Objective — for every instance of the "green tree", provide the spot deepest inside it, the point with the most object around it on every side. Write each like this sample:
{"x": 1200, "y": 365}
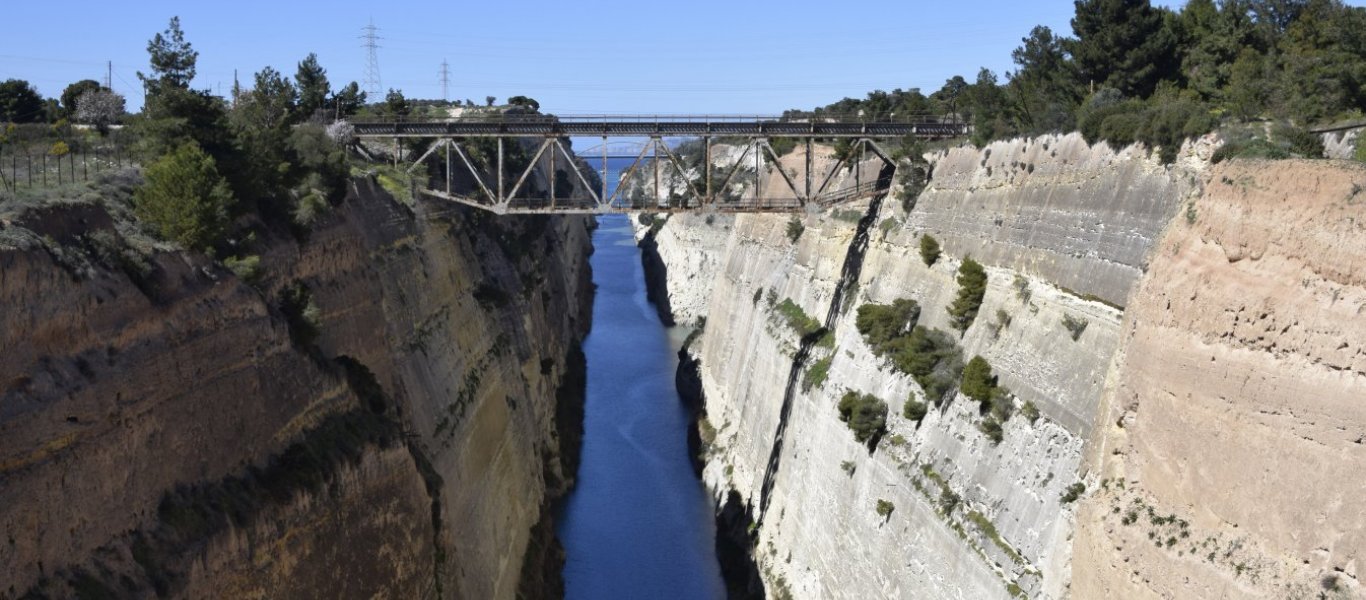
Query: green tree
{"x": 882, "y": 324}
{"x": 978, "y": 382}
{"x": 1124, "y": 44}
{"x": 865, "y": 414}
{"x": 395, "y": 105}
{"x": 525, "y": 102}
{"x": 1044, "y": 88}
{"x": 19, "y": 102}
{"x": 954, "y": 89}
{"x": 972, "y": 288}
{"x": 184, "y": 198}
{"x": 313, "y": 86}
{"x": 1213, "y": 36}
{"x": 73, "y": 92}
{"x": 261, "y": 121}
{"x": 990, "y": 113}
{"x": 913, "y": 409}
{"x": 174, "y": 115}
{"x": 173, "y": 60}
{"x": 348, "y": 100}
{"x": 929, "y": 250}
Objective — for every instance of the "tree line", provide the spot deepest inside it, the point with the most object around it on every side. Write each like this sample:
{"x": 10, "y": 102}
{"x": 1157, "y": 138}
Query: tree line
{"x": 1137, "y": 72}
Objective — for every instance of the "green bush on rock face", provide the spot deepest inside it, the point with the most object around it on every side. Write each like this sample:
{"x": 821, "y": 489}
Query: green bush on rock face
{"x": 880, "y": 324}
{"x": 865, "y": 414}
{"x": 929, "y": 249}
{"x": 928, "y": 355}
{"x": 972, "y": 288}
{"x": 914, "y": 410}
{"x": 978, "y": 382}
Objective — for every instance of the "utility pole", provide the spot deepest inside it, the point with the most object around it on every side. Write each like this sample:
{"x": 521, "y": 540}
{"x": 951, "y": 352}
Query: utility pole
{"x": 109, "y": 75}
{"x": 445, "y": 81}
{"x": 371, "y": 45}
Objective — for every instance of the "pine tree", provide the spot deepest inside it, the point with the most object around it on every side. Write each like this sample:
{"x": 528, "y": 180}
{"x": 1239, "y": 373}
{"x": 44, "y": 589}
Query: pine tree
{"x": 1123, "y": 44}
{"x": 314, "y": 88}
{"x": 972, "y": 288}
{"x": 185, "y": 199}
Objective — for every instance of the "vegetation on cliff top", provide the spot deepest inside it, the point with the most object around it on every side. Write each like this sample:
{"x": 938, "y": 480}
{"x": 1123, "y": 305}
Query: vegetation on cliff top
{"x": 1135, "y": 71}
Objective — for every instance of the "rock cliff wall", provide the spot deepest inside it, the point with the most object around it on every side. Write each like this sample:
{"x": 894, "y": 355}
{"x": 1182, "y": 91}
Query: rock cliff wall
{"x": 166, "y": 428}
{"x": 1237, "y": 407}
{"x": 1065, "y": 232}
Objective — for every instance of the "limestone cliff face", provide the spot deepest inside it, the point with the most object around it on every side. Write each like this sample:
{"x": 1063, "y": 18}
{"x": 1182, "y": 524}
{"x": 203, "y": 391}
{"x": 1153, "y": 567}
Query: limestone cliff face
{"x": 166, "y": 428}
{"x": 1064, "y": 231}
{"x": 1237, "y": 414}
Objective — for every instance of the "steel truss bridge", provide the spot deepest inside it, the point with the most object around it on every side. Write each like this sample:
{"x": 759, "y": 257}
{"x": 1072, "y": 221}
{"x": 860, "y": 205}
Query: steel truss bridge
{"x": 497, "y": 192}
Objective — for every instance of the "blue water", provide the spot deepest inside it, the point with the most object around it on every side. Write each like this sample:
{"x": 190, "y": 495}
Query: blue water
{"x": 638, "y": 524}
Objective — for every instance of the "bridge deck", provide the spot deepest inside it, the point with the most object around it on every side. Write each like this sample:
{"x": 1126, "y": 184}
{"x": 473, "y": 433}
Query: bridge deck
{"x": 645, "y": 126}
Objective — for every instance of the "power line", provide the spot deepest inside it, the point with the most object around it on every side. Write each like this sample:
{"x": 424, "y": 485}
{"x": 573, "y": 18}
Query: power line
{"x": 371, "y": 45}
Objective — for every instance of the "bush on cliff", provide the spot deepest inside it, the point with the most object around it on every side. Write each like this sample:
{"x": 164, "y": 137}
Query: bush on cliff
{"x": 928, "y": 355}
{"x": 797, "y": 319}
{"x": 185, "y": 199}
{"x": 972, "y": 287}
{"x": 978, "y": 382}
{"x": 914, "y": 410}
{"x": 929, "y": 250}
{"x": 795, "y": 228}
{"x": 880, "y": 324}
{"x": 865, "y": 414}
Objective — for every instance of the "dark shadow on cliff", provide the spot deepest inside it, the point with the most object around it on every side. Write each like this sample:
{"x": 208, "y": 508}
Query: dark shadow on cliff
{"x": 849, "y": 275}
{"x": 656, "y": 274}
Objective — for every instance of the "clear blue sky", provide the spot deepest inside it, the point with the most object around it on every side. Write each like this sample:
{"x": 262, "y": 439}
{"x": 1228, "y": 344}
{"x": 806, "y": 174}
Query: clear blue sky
{"x": 574, "y": 56}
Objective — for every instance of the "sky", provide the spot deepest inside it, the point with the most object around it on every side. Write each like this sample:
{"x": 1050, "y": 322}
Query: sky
{"x": 575, "y": 57}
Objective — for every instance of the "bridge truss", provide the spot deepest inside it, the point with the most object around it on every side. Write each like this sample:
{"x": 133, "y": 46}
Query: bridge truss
{"x": 498, "y": 192}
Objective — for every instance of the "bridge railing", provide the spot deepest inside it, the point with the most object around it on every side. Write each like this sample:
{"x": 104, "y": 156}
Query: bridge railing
{"x": 500, "y": 118}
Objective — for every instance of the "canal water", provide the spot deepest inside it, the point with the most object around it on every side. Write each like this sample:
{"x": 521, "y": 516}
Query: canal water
{"x": 638, "y": 524}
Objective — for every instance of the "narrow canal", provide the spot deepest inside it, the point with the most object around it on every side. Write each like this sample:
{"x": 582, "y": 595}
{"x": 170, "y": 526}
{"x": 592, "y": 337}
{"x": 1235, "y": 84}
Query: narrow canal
{"x": 639, "y": 524}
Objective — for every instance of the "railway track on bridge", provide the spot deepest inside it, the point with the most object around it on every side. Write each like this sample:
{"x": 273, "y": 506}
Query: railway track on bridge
{"x": 494, "y": 193}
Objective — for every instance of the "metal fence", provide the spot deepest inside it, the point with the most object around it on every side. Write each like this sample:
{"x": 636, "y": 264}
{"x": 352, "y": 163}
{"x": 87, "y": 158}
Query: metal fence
{"x": 20, "y": 169}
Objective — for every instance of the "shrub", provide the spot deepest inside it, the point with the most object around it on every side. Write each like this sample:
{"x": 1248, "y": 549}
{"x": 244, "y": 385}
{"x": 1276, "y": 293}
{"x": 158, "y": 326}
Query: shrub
{"x": 816, "y": 375}
{"x": 880, "y": 324}
{"x": 885, "y": 508}
{"x": 914, "y": 410}
{"x": 301, "y": 313}
{"x": 247, "y": 268}
{"x": 929, "y": 249}
{"x": 948, "y": 500}
{"x": 184, "y": 198}
{"x": 972, "y": 288}
{"x": 992, "y": 429}
{"x": 1074, "y": 325}
{"x": 1301, "y": 142}
{"x": 758, "y": 294}
{"x": 1073, "y": 492}
{"x": 797, "y": 318}
{"x": 865, "y": 414}
{"x": 795, "y": 228}
{"x": 1030, "y": 412}
{"x": 928, "y": 355}
{"x": 978, "y": 382}
{"x": 1360, "y": 153}
{"x": 848, "y": 467}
